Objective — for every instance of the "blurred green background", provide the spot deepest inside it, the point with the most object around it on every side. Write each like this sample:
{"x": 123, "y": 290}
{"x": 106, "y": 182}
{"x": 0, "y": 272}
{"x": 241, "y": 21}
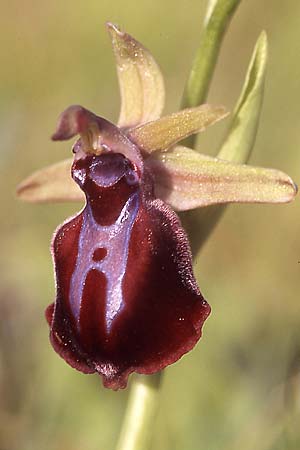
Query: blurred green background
{"x": 240, "y": 387}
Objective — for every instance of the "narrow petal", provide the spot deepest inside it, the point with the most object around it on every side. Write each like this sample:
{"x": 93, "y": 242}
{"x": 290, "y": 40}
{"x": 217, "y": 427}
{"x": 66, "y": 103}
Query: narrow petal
{"x": 186, "y": 180}
{"x": 78, "y": 120}
{"x": 51, "y": 184}
{"x": 140, "y": 79}
{"x": 96, "y": 134}
{"x": 167, "y": 131}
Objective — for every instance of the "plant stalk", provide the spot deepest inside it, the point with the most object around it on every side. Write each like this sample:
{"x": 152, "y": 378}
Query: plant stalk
{"x": 218, "y": 16}
{"x": 137, "y": 429}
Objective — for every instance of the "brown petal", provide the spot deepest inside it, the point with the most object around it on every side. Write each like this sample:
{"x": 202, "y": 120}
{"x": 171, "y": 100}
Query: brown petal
{"x": 167, "y": 131}
{"x": 53, "y": 183}
{"x": 186, "y": 180}
{"x": 96, "y": 134}
{"x": 140, "y": 80}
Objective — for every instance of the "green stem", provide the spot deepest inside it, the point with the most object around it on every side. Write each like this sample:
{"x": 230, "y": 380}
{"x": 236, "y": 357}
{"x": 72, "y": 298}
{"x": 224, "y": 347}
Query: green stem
{"x": 219, "y": 13}
{"x": 137, "y": 429}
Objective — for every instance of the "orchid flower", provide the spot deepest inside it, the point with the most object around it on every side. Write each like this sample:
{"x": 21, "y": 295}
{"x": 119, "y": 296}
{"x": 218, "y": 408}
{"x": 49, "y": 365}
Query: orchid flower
{"x": 127, "y": 299}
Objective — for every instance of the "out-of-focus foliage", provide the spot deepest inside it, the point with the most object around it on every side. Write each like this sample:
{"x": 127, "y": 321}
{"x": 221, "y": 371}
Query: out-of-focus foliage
{"x": 240, "y": 387}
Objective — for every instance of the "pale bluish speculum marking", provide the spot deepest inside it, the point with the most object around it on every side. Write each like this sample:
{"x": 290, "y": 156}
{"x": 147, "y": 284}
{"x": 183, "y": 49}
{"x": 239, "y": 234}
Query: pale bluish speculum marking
{"x": 115, "y": 238}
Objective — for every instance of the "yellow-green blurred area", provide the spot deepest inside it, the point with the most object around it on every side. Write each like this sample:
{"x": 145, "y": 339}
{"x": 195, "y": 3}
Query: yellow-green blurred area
{"x": 240, "y": 387}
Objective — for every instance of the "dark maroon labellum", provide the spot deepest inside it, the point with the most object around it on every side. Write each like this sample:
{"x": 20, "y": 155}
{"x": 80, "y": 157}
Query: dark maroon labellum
{"x": 126, "y": 299}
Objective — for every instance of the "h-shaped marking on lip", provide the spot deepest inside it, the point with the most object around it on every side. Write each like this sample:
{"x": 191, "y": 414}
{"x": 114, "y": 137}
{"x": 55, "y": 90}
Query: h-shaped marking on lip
{"x": 115, "y": 238}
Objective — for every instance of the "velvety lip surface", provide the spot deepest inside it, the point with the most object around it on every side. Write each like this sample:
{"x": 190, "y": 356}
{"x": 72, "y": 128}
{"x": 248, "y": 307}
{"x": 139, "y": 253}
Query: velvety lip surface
{"x": 126, "y": 299}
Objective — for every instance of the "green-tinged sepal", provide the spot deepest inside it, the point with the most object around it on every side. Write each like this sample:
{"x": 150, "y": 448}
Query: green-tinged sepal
{"x": 186, "y": 179}
{"x": 51, "y": 184}
{"x": 140, "y": 80}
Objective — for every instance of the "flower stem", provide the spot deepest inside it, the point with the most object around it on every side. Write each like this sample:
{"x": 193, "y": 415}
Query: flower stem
{"x": 219, "y": 13}
{"x": 137, "y": 429}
